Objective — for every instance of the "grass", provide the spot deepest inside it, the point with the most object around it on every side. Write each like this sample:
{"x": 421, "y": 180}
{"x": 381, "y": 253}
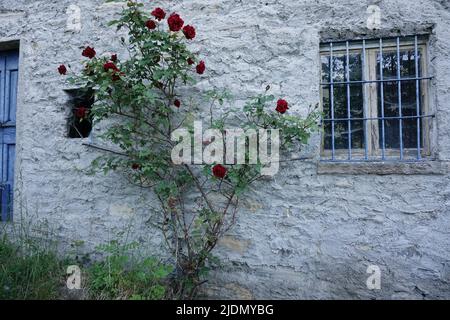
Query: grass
{"x": 32, "y": 275}
{"x": 31, "y": 271}
{"x": 122, "y": 275}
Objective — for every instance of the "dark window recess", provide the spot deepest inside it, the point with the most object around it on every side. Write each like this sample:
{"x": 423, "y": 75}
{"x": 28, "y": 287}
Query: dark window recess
{"x": 80, "y": 119}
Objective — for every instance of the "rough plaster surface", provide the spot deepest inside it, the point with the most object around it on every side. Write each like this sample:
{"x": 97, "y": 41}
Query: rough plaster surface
{"x": 302, "y": 235}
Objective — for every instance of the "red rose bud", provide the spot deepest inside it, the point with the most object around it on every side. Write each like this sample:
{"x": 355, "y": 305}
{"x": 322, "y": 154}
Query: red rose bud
{"x": 135, "y": 166}
{"x": 201, "y": 67}
{"x": 282, "y": 106}
{"x": 116, "y": 72}
{"x": 80, "y": 112}
{"x": 189, "y": 32}
{"x": 89, "y": 52}
{"x": 150, "y": 24}
{"x": 219, "y": 171}
{"x": 177, "y": 103}
{"x": 114, "y": 58}
{"x": 190, "y": 61}
{"x": 110, "y": 66}
{"x": 62, "y": 70}
{"x": 175, "y": 22}
{"x": 159, "y": 14}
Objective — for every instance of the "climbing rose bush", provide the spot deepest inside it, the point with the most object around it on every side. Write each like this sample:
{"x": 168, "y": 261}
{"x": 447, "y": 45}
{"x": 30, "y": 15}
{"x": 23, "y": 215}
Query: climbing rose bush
{"x": 148, "y": 94}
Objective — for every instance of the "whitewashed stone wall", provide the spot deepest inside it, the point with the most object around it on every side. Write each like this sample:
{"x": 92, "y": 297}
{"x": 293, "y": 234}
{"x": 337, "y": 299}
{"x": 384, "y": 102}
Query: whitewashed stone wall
{"x": 306, "y": 234}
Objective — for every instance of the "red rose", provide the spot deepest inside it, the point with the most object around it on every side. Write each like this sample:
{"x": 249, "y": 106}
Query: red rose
{"x": 81, "y": 112}
{"x": 219, "y": 171}
{"x": 282, "y": 106}
{"x": 175, "y": 22}
{"x": 89, "y": 52}
{"x": 135, "y": 166}
{"x": 189, "y": 32}
{"x": 159, "y": 14}
{"x": 177, "y": 103}
{"x": 116, "y": 72}
{"x": 110, "y": 66}
{"x": 114, "y": 58}
{"x": 201, "y": 67}
{"x": 62, "y": 69}
{"x": 150, "y": 24}
{"x": 190, "y": 61}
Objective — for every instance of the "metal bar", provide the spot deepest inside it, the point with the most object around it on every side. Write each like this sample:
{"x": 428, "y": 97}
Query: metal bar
{"x": 364, "y": 77}
{"x": 349, "y": 123}
{"x": 383, "y": 136}
{"x": 383, "y": 118}
{"x": 332, "y": 101}
{"x": 378, "y": 161}
{"x": 377, "y": 81}
{"x": 416, "y": 58}
{"x": 399, "y": 86}
{"x": 326, "y": 43}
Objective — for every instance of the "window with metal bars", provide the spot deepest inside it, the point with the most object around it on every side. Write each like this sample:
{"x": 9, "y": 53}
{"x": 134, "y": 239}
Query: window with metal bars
{"x": 375, "y": 100}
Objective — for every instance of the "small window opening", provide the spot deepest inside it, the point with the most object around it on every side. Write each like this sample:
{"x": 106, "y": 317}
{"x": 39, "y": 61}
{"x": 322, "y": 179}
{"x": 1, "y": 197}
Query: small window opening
{"x": 80, "y": 118}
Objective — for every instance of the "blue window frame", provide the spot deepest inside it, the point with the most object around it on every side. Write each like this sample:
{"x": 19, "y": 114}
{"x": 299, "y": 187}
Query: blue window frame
{"x": 9, "y": 72}
{"x": 375, "y": 101}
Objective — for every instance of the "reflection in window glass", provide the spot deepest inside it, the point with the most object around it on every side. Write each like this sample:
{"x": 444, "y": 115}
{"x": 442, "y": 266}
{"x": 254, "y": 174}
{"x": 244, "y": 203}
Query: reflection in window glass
{"x": 341, "y": 99}
{"x": 391, "y": 100}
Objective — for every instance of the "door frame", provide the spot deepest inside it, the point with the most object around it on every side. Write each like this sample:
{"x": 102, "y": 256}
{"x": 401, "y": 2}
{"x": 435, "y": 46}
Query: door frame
{"x": 7, "y": 44}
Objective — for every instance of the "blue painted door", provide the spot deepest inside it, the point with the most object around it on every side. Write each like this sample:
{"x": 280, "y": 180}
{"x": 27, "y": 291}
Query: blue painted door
{"x": 9, "y": 65}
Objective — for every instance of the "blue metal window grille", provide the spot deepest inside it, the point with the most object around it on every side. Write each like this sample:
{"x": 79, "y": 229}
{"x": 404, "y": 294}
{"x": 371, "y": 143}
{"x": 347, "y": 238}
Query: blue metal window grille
{"x": 375, "y": 100}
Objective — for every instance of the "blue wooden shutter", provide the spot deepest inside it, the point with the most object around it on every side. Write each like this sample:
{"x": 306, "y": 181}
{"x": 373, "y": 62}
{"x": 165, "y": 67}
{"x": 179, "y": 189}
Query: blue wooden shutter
{"x": 9, "y": 64}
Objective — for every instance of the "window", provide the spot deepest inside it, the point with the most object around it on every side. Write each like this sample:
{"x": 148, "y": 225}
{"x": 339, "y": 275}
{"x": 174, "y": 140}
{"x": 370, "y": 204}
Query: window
{"x": 374, "y": 97}
{"x": 80, "y": 118}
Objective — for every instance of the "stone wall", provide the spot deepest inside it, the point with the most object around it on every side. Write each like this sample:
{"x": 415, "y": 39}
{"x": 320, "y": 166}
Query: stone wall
{"x": 309, "y": 233}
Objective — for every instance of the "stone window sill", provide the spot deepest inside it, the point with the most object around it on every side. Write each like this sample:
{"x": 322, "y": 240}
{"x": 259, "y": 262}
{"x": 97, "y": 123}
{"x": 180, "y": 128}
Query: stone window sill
{"x": 384, "y": 168}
